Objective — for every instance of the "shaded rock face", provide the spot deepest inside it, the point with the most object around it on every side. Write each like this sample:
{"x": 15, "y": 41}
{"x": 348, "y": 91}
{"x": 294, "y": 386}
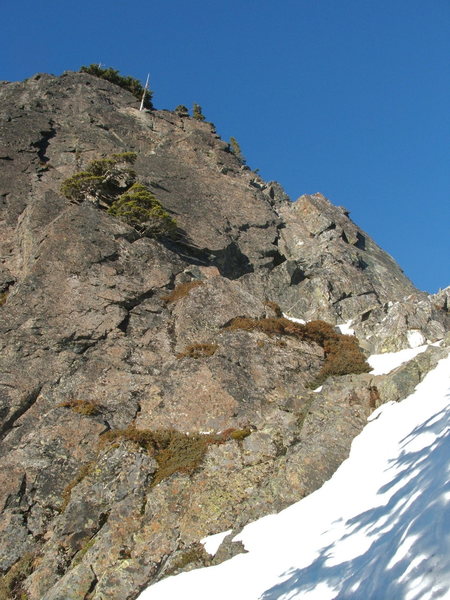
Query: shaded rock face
{"x": 92, "y": 342}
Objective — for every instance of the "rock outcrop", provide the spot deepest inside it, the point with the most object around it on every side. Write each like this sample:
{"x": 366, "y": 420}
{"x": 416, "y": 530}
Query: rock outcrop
{"x": 133, "y": 420}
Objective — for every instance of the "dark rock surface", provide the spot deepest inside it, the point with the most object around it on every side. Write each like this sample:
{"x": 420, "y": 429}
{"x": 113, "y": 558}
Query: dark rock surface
{"x": 90, "y": 343}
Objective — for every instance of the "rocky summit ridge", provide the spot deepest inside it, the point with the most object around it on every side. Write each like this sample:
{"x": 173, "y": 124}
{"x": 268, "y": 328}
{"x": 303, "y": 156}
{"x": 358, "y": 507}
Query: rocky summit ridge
{"x": 151, "y": 391}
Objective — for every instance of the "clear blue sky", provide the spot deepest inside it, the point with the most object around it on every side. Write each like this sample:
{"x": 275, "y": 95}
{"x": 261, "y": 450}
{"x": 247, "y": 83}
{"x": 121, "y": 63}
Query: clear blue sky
{"x": 347, "y": 97}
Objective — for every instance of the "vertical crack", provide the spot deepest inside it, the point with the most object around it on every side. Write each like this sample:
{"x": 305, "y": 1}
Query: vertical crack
{"x": 92, "y": 586}
{"x": 26, "y": 405}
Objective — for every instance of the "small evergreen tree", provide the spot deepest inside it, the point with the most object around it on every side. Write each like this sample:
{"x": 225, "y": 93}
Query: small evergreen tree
{"x": 102, "y": 179}
{"x": 139, "y": 208}
{"x": 128, "y": 83}
{"x": 182, "y": 110}
{"x": 197, "y": 112}
{"x": 110, "y": 183}
{"x": 236, "y": 150}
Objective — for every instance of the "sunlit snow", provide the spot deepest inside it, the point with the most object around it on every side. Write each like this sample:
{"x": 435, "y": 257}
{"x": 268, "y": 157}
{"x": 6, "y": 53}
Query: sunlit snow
{"x": 387, "y": 362}
{"x": 345, "y": 328}
{"x": 294, "y": 319}
{"x": 379, "y": 529}
{"x": 415, "y": 338}
{"x": 212, "y": 542}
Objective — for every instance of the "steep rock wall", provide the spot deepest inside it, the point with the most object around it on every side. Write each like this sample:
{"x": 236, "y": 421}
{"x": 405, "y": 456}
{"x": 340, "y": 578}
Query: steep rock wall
{"x": 92, "y": 343}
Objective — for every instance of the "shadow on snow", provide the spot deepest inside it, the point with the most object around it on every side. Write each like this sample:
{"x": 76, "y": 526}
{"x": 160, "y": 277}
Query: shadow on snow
{"x": 416, "y": 516}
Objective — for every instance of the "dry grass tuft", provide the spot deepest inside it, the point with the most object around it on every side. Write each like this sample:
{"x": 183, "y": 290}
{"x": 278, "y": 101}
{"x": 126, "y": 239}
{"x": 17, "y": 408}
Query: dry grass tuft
{"x": 274, "y": 307}
{"x": 342, "y": 353}
{"x": 3, "y": 297}
{"x": 11, "y": 583}
{"x": 181, "y": 291}
{"x": 198, "y": 351}
{"x": 175, "y": 452}
{"x": 270, "y": 325}
{"x": 195, "y": 555}
{"x": 82, "y": 407}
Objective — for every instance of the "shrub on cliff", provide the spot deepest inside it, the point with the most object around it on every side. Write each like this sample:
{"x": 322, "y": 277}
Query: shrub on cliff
{"x": 81, "y": 185}
{"x": 126, "y": 82}
{"x": 139, "y": 208}
{"x": 110, "y": 183}
{"x": 102, "y": 179}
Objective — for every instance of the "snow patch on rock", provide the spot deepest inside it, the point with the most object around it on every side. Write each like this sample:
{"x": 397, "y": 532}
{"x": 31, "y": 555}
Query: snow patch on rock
{"x": 211, "y": 543}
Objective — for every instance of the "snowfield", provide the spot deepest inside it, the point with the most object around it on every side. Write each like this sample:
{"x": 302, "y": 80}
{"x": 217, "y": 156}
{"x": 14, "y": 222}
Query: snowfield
{"x": 378, "y": 529}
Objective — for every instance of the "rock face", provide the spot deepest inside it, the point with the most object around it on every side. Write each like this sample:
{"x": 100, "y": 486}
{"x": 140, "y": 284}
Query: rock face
{"x": 104, "y": 331}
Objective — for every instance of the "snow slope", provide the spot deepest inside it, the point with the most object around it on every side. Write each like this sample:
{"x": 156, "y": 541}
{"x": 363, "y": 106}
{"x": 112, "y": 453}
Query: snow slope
{"x": 378, "y": 529}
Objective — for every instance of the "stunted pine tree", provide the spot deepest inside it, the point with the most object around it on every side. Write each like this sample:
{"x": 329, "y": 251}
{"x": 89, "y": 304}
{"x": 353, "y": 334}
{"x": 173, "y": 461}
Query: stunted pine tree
{"x": 236, "y": 150}
{"x": 197, "y": 112}
{"x": 182, "y": 110}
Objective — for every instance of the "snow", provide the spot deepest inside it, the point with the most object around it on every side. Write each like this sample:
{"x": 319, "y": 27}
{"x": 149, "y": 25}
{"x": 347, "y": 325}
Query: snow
{"x": 379, "y": 529}
{"x": 294, "y": 319}
{"x": 387, "y": 362}
{"x": 415, "y": 338}
{"x": 345, "y": 328}
{"x": 212, "y": 543}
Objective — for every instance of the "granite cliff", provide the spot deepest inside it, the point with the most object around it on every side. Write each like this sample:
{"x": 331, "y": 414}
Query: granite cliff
{"x": 151, "y": 391}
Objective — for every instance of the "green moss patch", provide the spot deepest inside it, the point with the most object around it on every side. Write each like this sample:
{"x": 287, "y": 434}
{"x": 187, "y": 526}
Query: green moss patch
{"x": 194, "y": 556}
{"x": 85, "y": 547}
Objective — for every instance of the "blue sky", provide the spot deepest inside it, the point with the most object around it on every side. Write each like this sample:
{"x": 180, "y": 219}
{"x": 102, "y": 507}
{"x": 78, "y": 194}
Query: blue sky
{"x": 345, "y": 97}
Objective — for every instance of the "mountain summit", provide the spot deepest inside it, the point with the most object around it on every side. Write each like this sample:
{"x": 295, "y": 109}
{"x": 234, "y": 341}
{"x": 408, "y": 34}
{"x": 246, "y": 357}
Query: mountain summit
{"x": 166, "y": 319}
